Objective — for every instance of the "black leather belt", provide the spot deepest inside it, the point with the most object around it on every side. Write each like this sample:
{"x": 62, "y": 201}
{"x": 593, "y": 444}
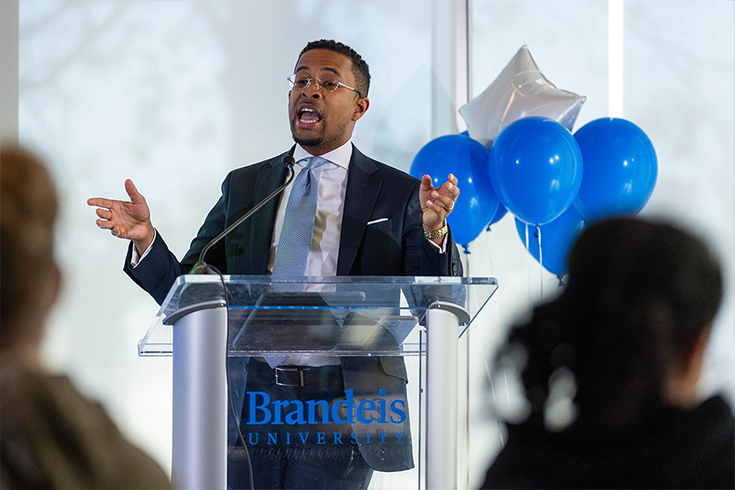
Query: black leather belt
{"x": 307, "y": 375}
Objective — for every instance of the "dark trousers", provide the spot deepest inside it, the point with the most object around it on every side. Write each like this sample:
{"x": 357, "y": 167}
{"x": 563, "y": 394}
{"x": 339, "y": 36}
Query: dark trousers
{"x": 294, "y": 456}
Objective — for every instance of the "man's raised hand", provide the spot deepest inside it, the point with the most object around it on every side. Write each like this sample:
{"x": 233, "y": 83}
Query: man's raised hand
{"x": 129, "y": 220}
{"x": 437, "y": 202}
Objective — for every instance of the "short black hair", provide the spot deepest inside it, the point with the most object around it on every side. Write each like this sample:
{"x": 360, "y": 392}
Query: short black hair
{"x": 359, "y": 66}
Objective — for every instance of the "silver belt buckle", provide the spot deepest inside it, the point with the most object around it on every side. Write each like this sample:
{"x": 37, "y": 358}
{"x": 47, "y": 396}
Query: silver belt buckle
{"x": 293, "y": 370}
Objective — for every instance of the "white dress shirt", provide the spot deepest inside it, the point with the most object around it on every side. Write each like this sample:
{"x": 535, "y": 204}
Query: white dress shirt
{"x": 324, "y": 248}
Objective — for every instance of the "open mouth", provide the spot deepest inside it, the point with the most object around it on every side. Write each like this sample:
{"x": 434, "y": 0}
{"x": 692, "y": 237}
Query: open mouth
{"x": 308, "y": 116}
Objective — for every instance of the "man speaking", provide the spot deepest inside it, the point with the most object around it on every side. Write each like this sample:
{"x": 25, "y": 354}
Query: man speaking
{"x": 343, "y": 214}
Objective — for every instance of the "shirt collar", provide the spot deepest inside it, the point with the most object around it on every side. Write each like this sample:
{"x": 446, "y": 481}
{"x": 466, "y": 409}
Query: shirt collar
{"x": 340, "y": 156}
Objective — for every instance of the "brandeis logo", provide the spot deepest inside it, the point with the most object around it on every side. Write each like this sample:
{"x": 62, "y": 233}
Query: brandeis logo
{"x": 265, "y": 413}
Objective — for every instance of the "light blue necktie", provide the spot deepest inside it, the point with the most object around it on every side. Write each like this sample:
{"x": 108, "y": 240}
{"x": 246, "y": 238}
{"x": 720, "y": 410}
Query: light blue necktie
{"x": 298, "y": 226}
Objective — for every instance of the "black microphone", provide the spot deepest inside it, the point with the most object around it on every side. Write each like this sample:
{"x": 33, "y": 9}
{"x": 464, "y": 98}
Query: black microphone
{"x": 201, "y": 267}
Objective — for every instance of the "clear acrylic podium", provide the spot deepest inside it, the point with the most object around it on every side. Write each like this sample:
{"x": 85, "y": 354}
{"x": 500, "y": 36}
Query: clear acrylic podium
{"x": 217, "y": 329}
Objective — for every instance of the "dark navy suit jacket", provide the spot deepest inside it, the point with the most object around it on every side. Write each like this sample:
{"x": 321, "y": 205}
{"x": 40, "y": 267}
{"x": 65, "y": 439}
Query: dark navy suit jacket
{"x": 395, "y": 247}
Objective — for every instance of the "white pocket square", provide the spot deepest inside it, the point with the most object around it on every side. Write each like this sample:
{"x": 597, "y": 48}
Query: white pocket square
{"x": 376, "y": 221}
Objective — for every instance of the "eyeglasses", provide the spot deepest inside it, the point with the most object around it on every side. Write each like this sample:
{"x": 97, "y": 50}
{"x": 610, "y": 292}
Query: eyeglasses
{"x": 329, "y": 85}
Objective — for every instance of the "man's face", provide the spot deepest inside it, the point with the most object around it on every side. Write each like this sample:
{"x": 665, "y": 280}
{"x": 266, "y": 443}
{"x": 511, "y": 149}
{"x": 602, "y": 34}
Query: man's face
{"x": 321, "y": 120}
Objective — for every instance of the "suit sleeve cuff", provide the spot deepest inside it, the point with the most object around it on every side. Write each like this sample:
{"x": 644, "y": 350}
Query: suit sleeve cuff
{"x": 136, "y": 258}
{"x": 439, "y": 248}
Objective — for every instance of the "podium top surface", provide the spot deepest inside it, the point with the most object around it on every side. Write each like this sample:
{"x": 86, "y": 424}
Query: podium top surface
{"x": 391, "y": 302}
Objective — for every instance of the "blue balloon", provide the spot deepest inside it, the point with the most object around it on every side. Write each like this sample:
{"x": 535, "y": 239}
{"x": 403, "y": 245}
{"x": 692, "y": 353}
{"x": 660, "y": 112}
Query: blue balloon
{"x": 536, "y": 169}
{"x": 467, "y": 160}
{"x": 620, "y": 169}
{"x": 557, "y": 238}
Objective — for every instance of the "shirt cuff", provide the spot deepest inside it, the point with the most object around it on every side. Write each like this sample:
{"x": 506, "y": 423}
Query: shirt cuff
{"x": 439, "y": 248}
{"x": 135, "y": 257}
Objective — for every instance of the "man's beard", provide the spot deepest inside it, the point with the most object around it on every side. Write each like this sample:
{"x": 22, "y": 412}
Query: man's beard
{"x": 307, "y": 142}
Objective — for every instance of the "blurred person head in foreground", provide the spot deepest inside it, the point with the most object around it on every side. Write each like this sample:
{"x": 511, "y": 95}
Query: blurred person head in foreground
{"x": 50, "y": 435}
{"x": 610, "y": 369}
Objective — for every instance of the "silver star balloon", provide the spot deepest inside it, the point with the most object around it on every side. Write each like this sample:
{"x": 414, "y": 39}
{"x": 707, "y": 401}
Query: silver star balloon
{"x": 521, "y": 90}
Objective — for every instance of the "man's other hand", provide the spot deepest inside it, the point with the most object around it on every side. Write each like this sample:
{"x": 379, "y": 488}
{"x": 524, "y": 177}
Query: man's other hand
{"x": 437, "y": 202}
{"x": 128, "y": 220}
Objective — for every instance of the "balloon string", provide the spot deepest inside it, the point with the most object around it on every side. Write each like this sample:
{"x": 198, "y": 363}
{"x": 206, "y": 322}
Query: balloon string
{"x": 540, "y": 262}
{"x": 486, "y": 356}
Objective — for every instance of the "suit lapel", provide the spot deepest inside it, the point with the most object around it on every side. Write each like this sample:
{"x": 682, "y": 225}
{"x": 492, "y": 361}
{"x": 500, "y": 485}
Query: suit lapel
{"x": 261, "y": 227}
{"x": 362, "y": 192}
